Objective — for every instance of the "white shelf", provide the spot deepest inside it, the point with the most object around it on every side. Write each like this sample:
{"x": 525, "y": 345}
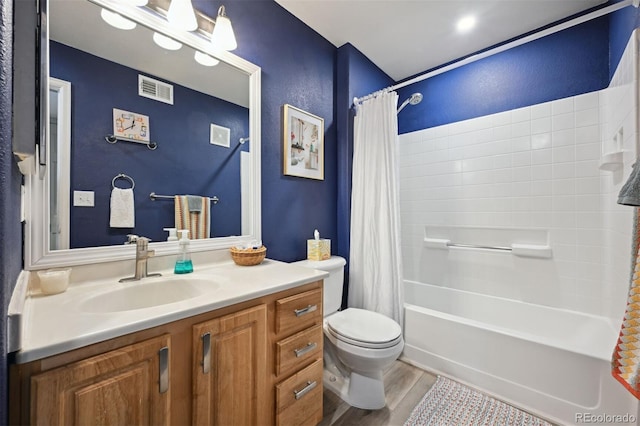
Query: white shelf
{"x": 612, "y": 161}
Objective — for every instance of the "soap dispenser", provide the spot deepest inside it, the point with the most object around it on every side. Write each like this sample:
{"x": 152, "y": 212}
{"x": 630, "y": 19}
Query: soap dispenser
{"x": 183, "y": 264}
{"x": 172, "y": 234}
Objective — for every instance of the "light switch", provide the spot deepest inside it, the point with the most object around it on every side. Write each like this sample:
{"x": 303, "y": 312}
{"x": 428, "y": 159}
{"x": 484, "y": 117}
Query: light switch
{"x": 83, "y": 198}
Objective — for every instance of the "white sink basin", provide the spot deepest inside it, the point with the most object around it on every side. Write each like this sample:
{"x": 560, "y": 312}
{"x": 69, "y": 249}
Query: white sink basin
{"x": 146, "y": 294}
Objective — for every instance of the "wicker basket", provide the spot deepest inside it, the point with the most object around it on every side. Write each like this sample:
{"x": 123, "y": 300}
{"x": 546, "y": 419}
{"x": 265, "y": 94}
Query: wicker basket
{"x": 248, "y": 257}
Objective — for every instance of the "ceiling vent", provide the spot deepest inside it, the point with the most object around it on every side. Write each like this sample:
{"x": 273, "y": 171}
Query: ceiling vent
{"x": 154, "y": 89}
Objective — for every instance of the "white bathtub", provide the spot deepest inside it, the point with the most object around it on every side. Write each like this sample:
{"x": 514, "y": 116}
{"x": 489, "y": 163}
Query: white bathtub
{"x": 552, "y": 362}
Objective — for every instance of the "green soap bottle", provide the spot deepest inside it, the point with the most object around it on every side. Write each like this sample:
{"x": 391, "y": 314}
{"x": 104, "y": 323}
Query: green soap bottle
{"x": 183, "y": 264}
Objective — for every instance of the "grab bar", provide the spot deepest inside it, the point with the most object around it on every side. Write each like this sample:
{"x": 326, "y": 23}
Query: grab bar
{"x": 476, "y": 246}
{"x": 154, "y": 196}
{"x": 523, "y": 250}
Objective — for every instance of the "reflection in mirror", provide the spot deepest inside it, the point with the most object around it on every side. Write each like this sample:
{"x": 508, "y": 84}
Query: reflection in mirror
{"x": 196, "y": 115}
{"x": 93, "y": 72}
{"x": 59, "y": 161}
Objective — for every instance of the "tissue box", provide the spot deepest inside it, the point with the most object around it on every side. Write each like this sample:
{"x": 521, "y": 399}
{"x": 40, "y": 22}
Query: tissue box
{"x": 318, "y": 249}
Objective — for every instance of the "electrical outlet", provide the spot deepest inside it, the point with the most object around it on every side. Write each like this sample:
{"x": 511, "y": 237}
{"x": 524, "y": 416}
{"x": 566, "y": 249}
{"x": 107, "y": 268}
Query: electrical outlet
{"x": 83, "y": 198}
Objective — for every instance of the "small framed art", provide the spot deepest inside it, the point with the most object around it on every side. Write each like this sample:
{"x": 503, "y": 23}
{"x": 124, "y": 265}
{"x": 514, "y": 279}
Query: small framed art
{"x": 219, "y": 135}
{"x": 303, "y": 143}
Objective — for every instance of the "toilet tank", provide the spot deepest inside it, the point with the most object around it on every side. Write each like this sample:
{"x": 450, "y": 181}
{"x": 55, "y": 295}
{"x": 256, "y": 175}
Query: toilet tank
{"x": 332, "y": 297}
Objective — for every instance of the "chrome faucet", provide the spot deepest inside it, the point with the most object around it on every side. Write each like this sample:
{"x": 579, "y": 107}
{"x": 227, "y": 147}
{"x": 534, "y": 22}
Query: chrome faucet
{"x": 142, "y": 255}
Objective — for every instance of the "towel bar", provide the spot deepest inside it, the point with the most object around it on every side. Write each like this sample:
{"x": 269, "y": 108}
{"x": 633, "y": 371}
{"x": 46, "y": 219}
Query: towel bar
{"x": 123, "y": 176}
{"x": 155, "y": 196}
{"x": 478, "y": 246}
{"x": 523, "y": 250}
{"x": 113, "y": 139}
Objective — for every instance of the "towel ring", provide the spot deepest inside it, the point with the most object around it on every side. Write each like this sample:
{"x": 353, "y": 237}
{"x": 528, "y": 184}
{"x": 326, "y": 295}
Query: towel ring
{"x": 122, "y": 176}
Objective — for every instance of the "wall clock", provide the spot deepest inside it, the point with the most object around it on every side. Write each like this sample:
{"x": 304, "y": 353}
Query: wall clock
{"x": 130, "y": 125}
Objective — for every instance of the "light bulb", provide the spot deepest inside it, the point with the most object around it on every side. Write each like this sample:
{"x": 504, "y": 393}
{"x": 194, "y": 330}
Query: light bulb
{"x": 465, "y": 24}
{"x": 206, "y": 60}
{"x": 223, "y": 36}
{"x": 166, "y": 42}
{"x": 117, "y": 20}
{"x": 181, "y": 15}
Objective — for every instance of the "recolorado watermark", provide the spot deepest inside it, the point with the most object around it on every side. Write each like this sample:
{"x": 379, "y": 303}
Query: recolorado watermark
{"x": 592, "y": 418}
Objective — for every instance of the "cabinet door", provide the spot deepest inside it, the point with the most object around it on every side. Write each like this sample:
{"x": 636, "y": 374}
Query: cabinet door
{"x": 124, "y": 386}
{"x": 230, "y": 369}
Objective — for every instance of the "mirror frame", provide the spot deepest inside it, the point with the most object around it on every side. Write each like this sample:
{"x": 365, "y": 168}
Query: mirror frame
{"x": 37, "y": 252}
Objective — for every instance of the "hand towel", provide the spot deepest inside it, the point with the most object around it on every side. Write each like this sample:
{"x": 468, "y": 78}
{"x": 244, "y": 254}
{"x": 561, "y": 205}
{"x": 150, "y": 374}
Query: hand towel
{"x": 122, "y": 208}
{"x": 630, "y": 192}
{"x": 197, "y": 222}
{"x": 195, "y": 203}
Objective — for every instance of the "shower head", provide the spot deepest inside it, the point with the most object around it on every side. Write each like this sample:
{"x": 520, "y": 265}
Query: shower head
{"x": 415, "y": 99}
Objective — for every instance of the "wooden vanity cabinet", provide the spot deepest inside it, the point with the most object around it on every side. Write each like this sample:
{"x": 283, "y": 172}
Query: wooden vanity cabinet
{"x": 231, "y": 366}
{"x": 230, "y": 375}
{"x": 298, "y": 358}
{"x": 86, "y": 392}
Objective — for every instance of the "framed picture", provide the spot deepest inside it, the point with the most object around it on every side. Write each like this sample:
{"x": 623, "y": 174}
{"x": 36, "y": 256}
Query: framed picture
{"x": 303, "y": 143}
{"x": 219, "y": 135}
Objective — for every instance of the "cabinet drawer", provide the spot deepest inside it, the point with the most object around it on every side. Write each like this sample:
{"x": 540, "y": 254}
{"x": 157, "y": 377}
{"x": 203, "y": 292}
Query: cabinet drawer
{"x": 299, "y": 349}
{"x": 299, "y": 398}
{"x": 298, "y": 311}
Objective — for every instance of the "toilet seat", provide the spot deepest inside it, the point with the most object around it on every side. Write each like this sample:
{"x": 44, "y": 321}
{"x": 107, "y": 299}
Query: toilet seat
{"x": 364, "y": 328}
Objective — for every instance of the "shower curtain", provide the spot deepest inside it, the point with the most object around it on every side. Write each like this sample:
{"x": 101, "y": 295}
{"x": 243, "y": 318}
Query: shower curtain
{"x": 375, "y": 271}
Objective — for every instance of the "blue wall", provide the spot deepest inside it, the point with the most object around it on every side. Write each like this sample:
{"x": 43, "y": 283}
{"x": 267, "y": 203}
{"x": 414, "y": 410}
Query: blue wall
{"x": 621, "y": 25}
{"x": 298, "y": 67}
{"x": 184, "y": 162}
{"x": 10, "y": 179}
{"x": 560, "y": 65}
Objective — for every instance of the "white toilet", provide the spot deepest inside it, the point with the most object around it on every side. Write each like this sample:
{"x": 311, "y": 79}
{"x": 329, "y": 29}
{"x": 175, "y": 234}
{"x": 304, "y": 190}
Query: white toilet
{"x": 358, "y": 344}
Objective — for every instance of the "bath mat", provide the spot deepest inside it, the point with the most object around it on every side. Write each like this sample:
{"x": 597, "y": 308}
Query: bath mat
{"x": 450, "y": 403}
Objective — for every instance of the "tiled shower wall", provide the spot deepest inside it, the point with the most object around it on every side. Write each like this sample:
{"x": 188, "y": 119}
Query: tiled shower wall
{"x": 619, "y": 110}
{"x": 532, "y": 168}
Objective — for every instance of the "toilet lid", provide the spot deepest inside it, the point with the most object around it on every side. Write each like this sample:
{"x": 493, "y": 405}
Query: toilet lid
{"x": 364, "y": 328}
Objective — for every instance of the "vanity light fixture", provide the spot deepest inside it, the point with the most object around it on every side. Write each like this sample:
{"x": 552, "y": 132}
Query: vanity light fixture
{"x": 166, "y": 42}
{"x": 181, "y": 15}
{"x": 206, "y": 60}
{"x": 223, "y": 36}
{"x": 117, "y": 20}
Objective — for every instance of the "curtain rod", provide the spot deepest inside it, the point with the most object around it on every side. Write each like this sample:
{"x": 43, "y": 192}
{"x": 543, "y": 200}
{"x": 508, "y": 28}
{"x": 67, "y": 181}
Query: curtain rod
{"x": 515, "y": 43}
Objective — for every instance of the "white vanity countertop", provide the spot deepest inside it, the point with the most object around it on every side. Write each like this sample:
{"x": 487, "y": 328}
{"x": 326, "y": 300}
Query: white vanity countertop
{"x": 58, "y": 323}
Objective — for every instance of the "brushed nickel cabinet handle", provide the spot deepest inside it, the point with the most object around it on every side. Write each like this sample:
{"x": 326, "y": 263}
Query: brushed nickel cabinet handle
{"x": 164, "y": 369}
{"x": 310, "y": 346}
{"x": 304, "y": 311}
{"x": 206, "y": 352}
{"x": 302, "y": 392}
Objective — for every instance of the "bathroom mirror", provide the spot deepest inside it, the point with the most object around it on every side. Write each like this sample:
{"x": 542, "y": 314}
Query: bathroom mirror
{"x": 88, "y": 69}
